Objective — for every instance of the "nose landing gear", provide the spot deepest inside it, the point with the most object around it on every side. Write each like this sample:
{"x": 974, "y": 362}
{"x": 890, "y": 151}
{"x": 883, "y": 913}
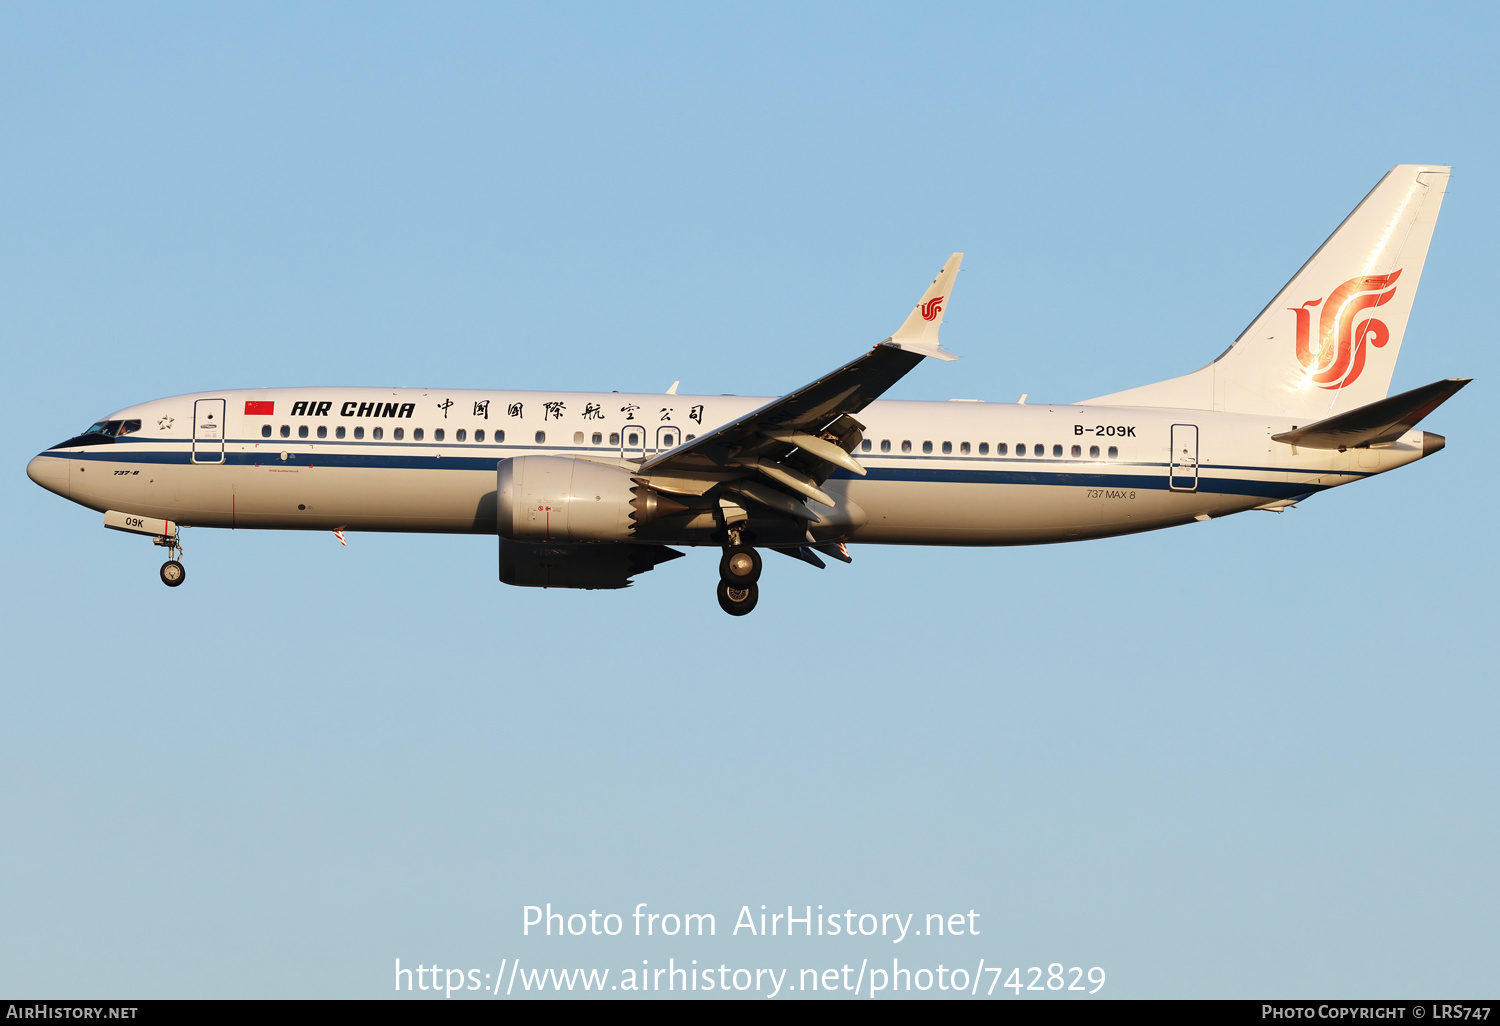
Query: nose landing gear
{"x": 162, "y": 532}
{"x": 173, "y": 573}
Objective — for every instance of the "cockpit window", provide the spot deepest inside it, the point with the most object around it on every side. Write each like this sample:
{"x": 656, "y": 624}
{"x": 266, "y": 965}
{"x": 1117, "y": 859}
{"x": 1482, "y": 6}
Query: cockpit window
{"x": 102, "y": 433}
{"x": 112, "y": 428}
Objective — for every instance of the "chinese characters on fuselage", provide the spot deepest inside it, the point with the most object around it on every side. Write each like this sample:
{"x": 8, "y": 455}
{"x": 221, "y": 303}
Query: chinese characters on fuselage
{"x": 551, "y": 410}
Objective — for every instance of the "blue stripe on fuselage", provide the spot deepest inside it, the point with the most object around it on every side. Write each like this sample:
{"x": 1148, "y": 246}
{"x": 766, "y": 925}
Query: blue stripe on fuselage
{"x": 998, "y": 471}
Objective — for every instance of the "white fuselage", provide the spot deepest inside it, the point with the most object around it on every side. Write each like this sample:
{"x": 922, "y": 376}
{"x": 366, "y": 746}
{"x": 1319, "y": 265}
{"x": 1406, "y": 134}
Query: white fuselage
{"x": 939, "y": 473}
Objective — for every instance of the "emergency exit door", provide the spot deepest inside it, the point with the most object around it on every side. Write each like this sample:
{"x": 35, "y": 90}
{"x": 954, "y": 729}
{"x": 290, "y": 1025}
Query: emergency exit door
{"x": 208, "y": 431}
{"x": 633, "y": 442}
{"x": 1182, "y": 473}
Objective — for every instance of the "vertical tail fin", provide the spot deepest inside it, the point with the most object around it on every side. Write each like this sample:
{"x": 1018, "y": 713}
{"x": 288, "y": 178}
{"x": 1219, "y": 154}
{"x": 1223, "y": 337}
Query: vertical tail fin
{"x": 1330, "y": 338}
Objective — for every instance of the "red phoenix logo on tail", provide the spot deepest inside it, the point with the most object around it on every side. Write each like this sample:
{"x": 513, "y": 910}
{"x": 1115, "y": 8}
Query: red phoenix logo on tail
{"x": 1338, "y": 355}
{"x": 932, "y": 308}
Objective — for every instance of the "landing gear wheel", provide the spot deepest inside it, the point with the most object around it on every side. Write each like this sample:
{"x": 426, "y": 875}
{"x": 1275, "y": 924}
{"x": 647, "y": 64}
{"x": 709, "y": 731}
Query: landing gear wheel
{"x": 740, "y": 566}
{"x": 737, "y": 601}
{"x": 173, "y": 574}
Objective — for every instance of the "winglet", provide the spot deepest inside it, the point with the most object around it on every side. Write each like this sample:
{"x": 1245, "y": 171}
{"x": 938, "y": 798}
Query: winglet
{"x": 920, "y": 332}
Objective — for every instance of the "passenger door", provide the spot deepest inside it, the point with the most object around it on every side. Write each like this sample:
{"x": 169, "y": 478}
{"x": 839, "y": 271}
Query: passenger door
{"x": 208, "y": 431}
{"x": 1182, "y": 473}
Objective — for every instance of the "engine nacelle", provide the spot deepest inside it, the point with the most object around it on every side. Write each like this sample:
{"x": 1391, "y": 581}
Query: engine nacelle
{"x": 596, "y": 566}
{"x": 560, "y": 499}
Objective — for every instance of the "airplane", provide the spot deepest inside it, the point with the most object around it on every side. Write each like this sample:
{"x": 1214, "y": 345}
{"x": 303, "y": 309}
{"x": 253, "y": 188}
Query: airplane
{"x": 591, "y": 489}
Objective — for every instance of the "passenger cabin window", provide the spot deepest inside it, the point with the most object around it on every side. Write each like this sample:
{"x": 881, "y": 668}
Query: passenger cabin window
{"x": 377, "y": 434}
{"x": 541, "y": 436}
{"x": 1057, "y": 450}
{"x": 499, "y": 437}
{"x": 1113, "y": 452}
{"x": 577, "y": 438}
{"x": 460, "y": 435}
{"x": 399, "y": 434}
{"x": 927, "y": 447}
{"x": 906, "y": 445}
{"x": 437, "y": 434}
{"x": 614, "y": 438}
{"x": 984, "y": 448}
{"x": 416, "y": 434}
{"x": 359, "y": 433}
{"x": 1040, "y": 450}
{"x": 265, "y": 431}
{"x": 947, "y": 448}
{"x": 479, "y": 435}
{"x": 302, "y": 431}
{"x": 338, "y": 432}
{"x": 1093, "y": 452}
{"x": 691, "y": 437}
{"x": 286, "y": 431}
{"x": 322, "y": 431}
{"x": 885, "y": 445}
{"x": 1001, "y": 449}
{"x": 1077, "y": 450}
{"x": 963, "y": 448}
{"x": 866, "y": 445}
{"x": 597, "y": 438}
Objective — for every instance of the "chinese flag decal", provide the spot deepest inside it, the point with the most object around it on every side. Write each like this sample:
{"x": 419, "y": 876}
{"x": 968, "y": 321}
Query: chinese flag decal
{"x": 259, "y": 409}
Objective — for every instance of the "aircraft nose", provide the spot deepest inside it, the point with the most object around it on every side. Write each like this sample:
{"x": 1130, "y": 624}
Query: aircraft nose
{"x": 50, "y": 472}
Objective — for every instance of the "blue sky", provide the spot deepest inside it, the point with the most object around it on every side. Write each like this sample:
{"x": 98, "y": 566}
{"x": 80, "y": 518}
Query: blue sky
{"x": 1251, "y": 757}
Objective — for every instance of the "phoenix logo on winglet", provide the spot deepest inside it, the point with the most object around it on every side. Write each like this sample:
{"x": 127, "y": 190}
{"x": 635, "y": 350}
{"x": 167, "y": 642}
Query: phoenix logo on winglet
{"x": 932, "y": 308}
{"x": 1339, "y": 355}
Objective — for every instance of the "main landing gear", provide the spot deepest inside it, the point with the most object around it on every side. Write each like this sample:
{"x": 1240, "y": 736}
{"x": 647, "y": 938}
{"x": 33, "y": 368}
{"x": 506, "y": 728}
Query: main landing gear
{"x": 739, "y": 570}
{"x": 737, "y": 601}
{"x": 172, "y": 571}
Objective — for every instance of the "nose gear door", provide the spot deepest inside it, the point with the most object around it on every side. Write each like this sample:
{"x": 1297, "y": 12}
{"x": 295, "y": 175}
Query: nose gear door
{"x": 208, "y": 431}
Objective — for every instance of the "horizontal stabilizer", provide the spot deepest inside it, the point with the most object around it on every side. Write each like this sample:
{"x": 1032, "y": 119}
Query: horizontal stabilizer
{"x": 1382, "y": 421}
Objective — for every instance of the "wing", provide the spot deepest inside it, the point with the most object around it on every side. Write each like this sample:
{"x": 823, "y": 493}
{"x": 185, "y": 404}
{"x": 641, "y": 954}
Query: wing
{"x": 780, "y": 454}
